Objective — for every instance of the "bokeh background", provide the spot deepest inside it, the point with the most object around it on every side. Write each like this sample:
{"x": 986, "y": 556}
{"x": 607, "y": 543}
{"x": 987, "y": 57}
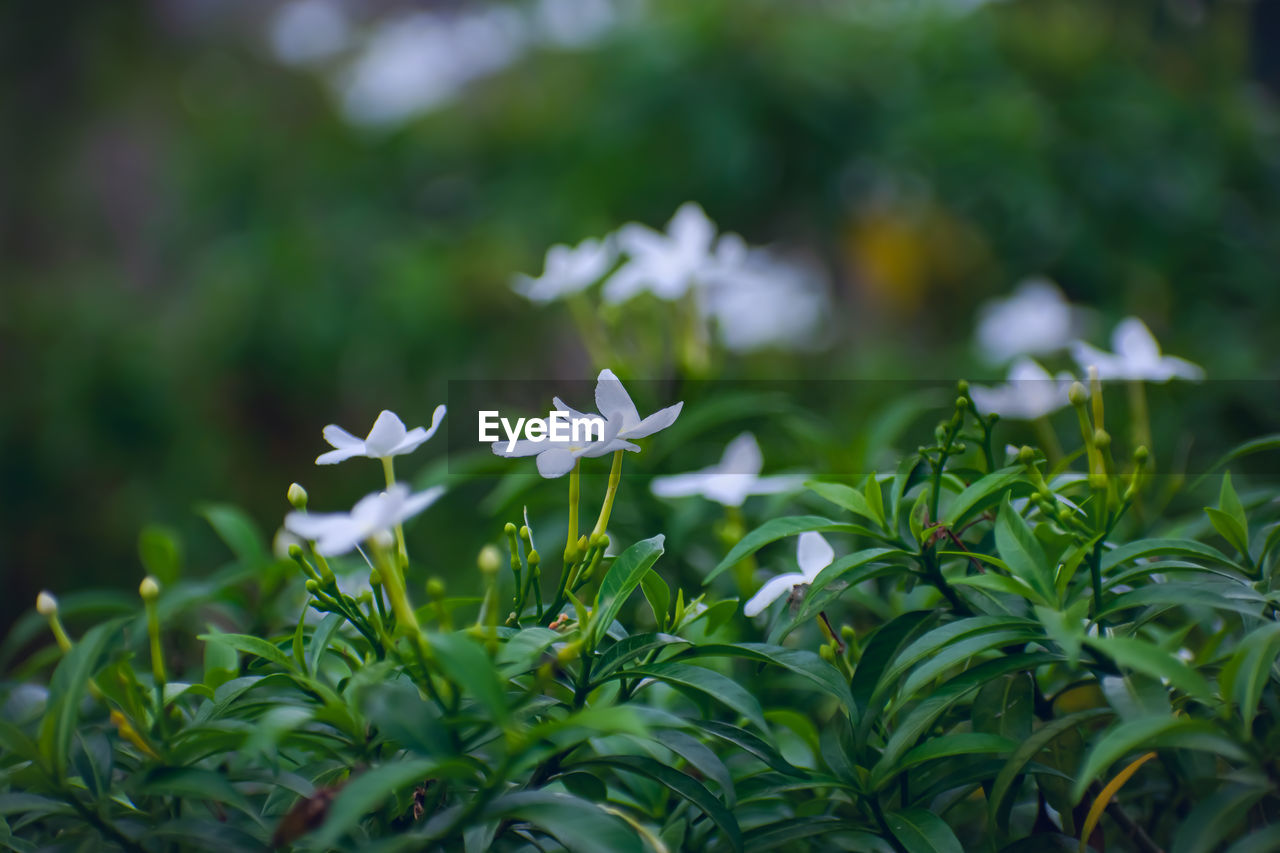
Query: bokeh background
{"x": 227, "y": 224}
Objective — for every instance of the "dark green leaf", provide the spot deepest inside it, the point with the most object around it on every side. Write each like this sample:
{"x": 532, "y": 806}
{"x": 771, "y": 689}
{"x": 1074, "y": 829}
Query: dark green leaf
{"x": 920, "y": 831}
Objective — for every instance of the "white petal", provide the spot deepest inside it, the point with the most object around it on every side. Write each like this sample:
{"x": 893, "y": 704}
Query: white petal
{"x": 333, "y": 457}
{"x": 681, "y": 485}
{"x": 339, "y": 437}
{"x": 417, "y": 503}
{"x": 813, "y": 554}
{"x": 742, "y": 456}
{"x": 691, "y": 229}
{"x": 561, "y": 406}
{"x": 522, "y": 447}
{"x": 312, "y": 525}
{"x": 777, "y": 485}
{"x": 388, "y": 431}
{"x": 1133, "y": 341}
{"x": 627, "y": 282}
{"x": 769, "y": 593}
{"x": 1182, "y": 369}
{"x": 659, "y": 420}
{"x": 413, "y": 439}
{"x": 436, "y": 417}
{"x": 556, "y": 463}
{"x": 612, "y": 398}
{"x": 341, "y": 540}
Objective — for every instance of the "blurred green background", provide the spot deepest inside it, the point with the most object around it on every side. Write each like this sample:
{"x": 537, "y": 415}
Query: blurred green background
{"x": 227, "y": 224}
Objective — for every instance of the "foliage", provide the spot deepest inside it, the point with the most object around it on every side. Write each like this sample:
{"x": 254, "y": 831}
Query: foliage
{"x": 1026, "y": 654}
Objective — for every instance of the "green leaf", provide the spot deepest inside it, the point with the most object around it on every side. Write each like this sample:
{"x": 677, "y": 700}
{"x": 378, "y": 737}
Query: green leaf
{"x": 1250, "y": 668}
{"x": 366, "y": 792}
{"x": 773, "y": 530}
{"x": 1266, "y": 840}
{"x": 802, "y": 662}
{"x": 782, "y": 834}
{"x": 875, "y": 498}
{"x": 879, "y": 651}
{"x": 923, "y": 715}
{"x": 1174, "y": 547}
{"x": 1153, "y": 733}
{"x": 238, "y": 532}
{"x": 250, "y": 645}
{"x": 920, "y": 831}
{"x": 467, "y": 665}
{"x": 752, "y": 744}
{"x": 197, "y": 784}
{"x": 845, "y": 497}
{"x": 621, "y": 580}
{"x": 581, "y": 826}
{"x": 66, "y": 689}
{"x": 939, "y": 639}
{"x": 1028, "y": 750}
{"x": 961, "y": 744}
{"x": 1230, "y": 529}
{"x": 982, "y": 493}
{"x": 1021, "y": 552}
{"x": 705, "y": 681}
{"x": 681, "y": 784}
{"x": 1154, "y": 661}
{"x": 1006, "y": 707}
{"x": 1214, "y": 817}
{"x": 658, "y": 594}
{"x": 320, "y": 640}
{"x": 160, "y": 553}
{"x": 701, "y": 758}
{"x": 221, "y": 662}
{"x": 847, "y": 571}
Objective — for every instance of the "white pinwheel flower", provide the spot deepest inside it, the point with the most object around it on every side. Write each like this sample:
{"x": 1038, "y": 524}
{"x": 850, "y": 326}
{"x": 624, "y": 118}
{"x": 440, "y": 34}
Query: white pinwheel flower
{"x": 1137, "y": 357}
{"x": 665, "y": 264}
{"x": 1035, "y": 319}
{"x": 557, "y": 458}
{"x": 614, "y": 403}
{"x": 568, "y": 270}
{"x": 387, "y": 438}
{"x": 813, "y": 554}
{"x": 731, "y": 480}
{"x": 1031, "y": 392}
{"x": 375, "y": 515}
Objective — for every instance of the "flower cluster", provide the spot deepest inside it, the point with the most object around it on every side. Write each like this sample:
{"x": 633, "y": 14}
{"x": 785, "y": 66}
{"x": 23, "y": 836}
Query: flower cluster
{"x": 1038, "y": 320}
{"x": 751, "y": 296}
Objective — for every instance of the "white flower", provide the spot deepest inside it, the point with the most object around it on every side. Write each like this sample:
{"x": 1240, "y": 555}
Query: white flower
{"x": 759, "y": 300}
{"x": 666, "y": 265}
{"x": 813, "y": 554}
{"x": 568, "y": 270}
{"x": 336, "y": 533}
{"x": 1030, "y": 393}
{"x": 622, "y": 423}
{"x": 387, "y": 438}
{"x": 1137, "y": 357}
{"x": 557, "y": 458}
{"x": 1036, "y": 319}
{"x": 615, "y": 405}
{"x": 730, "y": 480}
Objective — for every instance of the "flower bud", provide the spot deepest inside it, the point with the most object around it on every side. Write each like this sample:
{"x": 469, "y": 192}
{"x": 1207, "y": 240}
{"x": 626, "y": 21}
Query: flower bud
{"x": 489, "y": 560}
{"x": 297, "y": 496}
{"x": 963, "y": 387}
{"x": 827, "y": 653}
{"x": 846, "y": 631}
{"x": 46, "y": 604}
{"x": 1064, "y": 515}
{"x": 962, "y": 403}
{"x": 1101, "y": 438}
{"x": 1026, "y": 454}
{"x": 1141, "y": 454}
{"x": 435, "y": 589}
{"x": 509, "y": 529}
{"x": 959, "y": 447}
{"x": 992, "y": 419}
{"x": 312, "y": 586}
{"x": 149, "y": 589}
{"x": 1077, "y": 394}
{"x": 295, "y": 550}
{"x": 524, "y": 532}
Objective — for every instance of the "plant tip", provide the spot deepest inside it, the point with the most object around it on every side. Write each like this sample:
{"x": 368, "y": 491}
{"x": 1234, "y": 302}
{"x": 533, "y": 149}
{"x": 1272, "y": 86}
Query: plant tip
{"x": 297, "y": 496}
{"x": 46, "y": 603}
{"x": 149, "y": 589}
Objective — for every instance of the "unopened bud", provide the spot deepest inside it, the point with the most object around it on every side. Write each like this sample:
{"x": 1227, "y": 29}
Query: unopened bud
{"x": 509, "y": 529}
{"x": 46, "y": 604}
{"x": 312, "y": 586}
{"x": 846, "y": 631}
{"x": 295, "y": 550}
{"x": 1026, "y": 454}
{"x": 1077, "y": 394}
{"x": 1101, "y": 438}
{"x": 1141, "y": 454}
{"x": 149, "y": 589}
{"x": 524, "y": 532}
{"x": 827, "y": 653}
{"x": 297, "y": 496}
{"x": 963, "y": 387}
{"x": 435, "y": 589}
{"x": 533, "y": 559}
{"x": 489, "y": 559}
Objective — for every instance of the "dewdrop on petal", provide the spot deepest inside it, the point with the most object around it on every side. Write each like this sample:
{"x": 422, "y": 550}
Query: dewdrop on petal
{"x": 46, "y": 603}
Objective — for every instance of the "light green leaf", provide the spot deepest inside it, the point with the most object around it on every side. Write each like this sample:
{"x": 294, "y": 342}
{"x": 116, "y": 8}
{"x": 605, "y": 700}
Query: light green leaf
{"x": 1022, "y": 553}
{"x": 1250, "y": 668}
{"x": 982, "y": 493}
{"x": 773, "y": 530}
{"x": 250, "y": 645}
{"x": 1148, "y": 659}
{"x": 466, "y": 664}
{"x": 621, "y": 580}
{"x": 705, "y": 681}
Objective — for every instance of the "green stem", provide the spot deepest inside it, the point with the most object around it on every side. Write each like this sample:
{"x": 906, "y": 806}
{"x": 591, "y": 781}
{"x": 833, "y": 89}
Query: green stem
{"x": 389, "y": 471}
{"x": 615, "y": 476}
{"x": 571, "y": 543}
{"x": 1048, "y": 440}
